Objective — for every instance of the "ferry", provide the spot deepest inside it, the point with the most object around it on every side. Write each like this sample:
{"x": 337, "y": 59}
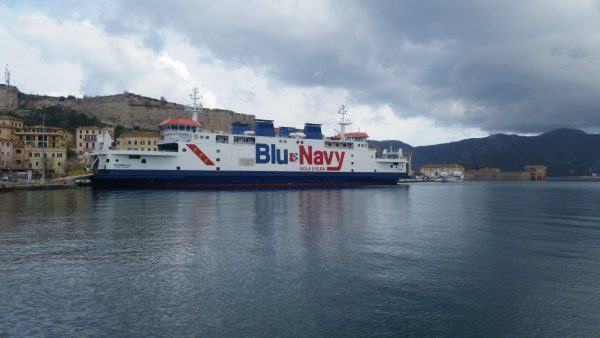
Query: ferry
{"x": 189, "y": 156}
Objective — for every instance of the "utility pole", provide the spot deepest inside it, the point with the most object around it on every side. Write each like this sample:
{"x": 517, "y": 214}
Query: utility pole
{"x": 43, "y": 148}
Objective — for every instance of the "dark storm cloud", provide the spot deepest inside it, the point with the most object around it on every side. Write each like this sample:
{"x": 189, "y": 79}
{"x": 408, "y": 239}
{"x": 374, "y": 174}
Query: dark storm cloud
{"x": 523, "y": 66}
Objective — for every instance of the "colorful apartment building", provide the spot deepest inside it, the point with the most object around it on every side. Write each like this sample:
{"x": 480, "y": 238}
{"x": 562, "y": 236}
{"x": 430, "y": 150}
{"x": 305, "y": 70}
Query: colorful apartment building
{"x": 43, "y": 145}
{"x": 138, "y": 140}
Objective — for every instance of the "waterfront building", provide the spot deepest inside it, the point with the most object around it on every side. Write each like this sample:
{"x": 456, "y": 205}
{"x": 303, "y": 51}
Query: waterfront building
{"x": 8, "y": 126}
{"x": 433, "y": 170}
{"x": 6, "y": 153}
{"x": 20, "y": 157}
{"x": 52, "y": 152}
{"x": 536, "y": 172}
{"x": 86, "y": 138}
{"x": 530, "y": 173}
{"x": 138, "y": 140}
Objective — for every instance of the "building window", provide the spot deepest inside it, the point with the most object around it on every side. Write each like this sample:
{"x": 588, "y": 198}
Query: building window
{"x": 107, "y": 160}
{"x": 143, "y": 160}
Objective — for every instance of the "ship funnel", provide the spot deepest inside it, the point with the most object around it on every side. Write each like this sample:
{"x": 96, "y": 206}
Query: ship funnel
{"x": 239, "y": 128}
{"x": 264, "y": 128}
{"x": 286, "y": 131}
{"x": 313, "y": 131}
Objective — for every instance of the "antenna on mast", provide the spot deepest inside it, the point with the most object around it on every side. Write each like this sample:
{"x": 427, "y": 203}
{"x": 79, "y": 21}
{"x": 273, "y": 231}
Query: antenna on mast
{"x": 7, "y": 77}
{"x": 197, "y": 103}
{"x": 343, "y": 121}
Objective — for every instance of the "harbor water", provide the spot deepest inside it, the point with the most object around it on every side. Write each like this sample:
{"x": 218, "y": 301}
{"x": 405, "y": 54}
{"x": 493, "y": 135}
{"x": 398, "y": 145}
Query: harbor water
{"x": 503, "y": 259}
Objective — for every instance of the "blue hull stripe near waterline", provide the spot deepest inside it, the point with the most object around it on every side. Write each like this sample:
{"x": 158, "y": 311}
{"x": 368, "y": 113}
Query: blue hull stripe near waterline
{"x": 214, "y": 179}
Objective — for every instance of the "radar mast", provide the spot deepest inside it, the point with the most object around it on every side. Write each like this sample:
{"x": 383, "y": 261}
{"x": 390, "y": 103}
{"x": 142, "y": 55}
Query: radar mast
{"x": 343, "y": 121}
{"x": 196, "y": 103}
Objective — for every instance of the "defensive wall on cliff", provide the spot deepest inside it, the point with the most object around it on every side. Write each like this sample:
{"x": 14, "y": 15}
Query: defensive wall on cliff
{"x": 128, "y": 110}
{"x": 8, "y": 98}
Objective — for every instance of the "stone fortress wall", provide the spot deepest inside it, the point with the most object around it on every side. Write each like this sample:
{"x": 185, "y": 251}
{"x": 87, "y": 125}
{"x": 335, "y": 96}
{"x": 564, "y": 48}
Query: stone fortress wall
{"x": 8, "y": 98}
{"x": 128, "y": 110}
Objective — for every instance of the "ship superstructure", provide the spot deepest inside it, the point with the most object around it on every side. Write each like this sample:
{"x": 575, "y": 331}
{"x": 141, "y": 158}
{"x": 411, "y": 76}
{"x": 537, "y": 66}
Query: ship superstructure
{"x": 188, "y": 156}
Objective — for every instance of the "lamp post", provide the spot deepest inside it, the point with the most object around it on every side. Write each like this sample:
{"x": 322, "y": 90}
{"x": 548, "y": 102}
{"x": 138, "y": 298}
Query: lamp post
{"x": 43, "y": 148}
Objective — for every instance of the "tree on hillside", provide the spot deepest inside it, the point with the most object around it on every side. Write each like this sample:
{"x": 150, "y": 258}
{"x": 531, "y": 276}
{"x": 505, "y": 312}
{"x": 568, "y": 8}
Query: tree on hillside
{"x": 61, "y": 117}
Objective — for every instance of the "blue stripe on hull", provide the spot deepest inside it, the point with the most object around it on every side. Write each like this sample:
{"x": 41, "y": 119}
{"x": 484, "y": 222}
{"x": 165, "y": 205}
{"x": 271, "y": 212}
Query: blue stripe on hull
{"x": 192, "y": 179}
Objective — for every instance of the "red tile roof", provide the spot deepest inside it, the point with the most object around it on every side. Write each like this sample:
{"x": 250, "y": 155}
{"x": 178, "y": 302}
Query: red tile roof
{"x": 351, "y": 135}
{"x": 184, "y": 122}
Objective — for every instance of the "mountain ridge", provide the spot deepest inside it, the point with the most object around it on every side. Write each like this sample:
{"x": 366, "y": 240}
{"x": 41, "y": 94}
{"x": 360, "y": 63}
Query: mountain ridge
{"x": 565, "y": 151}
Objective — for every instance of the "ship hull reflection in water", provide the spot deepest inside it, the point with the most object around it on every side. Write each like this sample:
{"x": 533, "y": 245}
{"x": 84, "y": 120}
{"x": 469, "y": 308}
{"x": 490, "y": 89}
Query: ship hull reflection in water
{"x": 473, "y": 259}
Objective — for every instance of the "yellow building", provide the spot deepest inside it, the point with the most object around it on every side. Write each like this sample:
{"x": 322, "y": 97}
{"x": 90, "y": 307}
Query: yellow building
{"x": 10, "y": 121}
{"x": 43, "y": 145}
{"x": 536, "y": 172}
{"x": 8, "y": 126}
{"x": 86, "y": 138}
{"x": 138, "y": 140}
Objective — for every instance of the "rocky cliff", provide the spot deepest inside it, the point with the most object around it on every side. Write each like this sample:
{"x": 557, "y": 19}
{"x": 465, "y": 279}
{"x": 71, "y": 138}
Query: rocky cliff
{"x": 127, "y": 109}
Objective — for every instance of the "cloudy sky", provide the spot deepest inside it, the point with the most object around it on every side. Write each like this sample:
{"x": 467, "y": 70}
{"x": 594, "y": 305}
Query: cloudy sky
{"x": 420, "y": 71}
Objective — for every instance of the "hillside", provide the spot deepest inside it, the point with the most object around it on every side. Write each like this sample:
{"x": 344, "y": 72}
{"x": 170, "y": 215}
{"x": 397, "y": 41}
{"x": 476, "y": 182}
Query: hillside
{"x": 127, "y": 109}
{"x": 566, "y": 152}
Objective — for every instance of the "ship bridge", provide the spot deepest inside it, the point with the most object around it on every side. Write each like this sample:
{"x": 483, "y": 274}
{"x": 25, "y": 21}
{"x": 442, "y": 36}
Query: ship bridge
{"x": 174, "y": 129}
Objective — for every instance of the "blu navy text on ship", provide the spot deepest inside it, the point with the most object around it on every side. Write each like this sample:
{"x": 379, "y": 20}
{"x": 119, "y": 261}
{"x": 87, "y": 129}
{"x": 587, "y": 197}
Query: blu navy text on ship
{"x": 188, "y": 156}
